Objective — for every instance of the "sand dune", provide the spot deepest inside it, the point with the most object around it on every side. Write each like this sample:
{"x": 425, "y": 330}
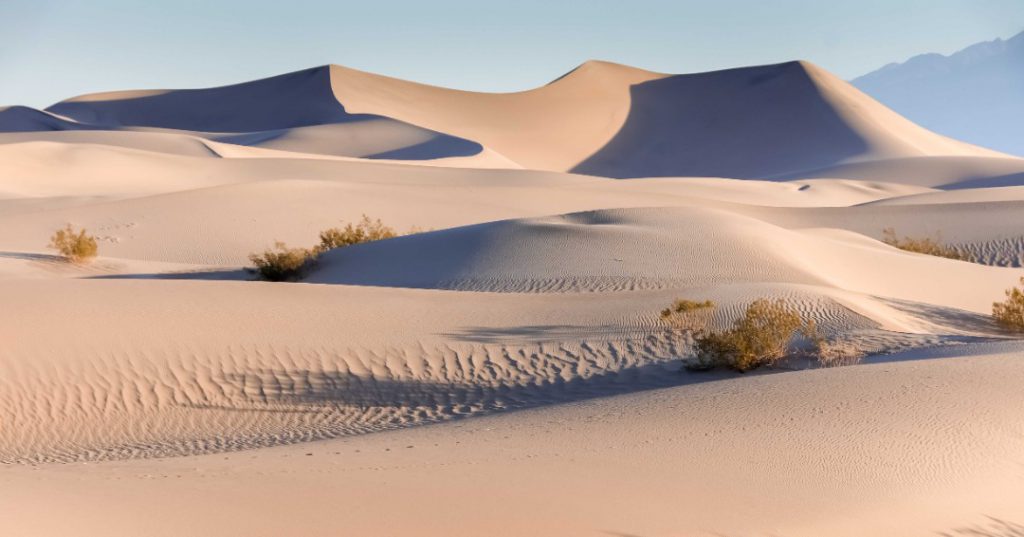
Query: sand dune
{"x": 173, "y": 378}
{"x": 656, "y": 248}
{"x": 379, "y": 138}
{"x": 25, "y": 119}
{"x": 293, "y": 112}
{"x": 296, "y": 99}
{"x": 758, "y": 122}
{"x": 600, "y": 119}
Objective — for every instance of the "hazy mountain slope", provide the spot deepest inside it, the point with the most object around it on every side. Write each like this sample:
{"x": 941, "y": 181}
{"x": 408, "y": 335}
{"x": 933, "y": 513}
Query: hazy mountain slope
{"x": 975, "y": 95}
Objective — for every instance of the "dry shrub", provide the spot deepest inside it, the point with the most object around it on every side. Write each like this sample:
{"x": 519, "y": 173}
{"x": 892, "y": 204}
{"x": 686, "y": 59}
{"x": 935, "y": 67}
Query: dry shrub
{"x": 684, "y": 306}
{"x": 76, "y": 247}
{"x": 282, "y": 263}
{"x": 836, "y": 353}
{"x": 765, "y": 334}
{"x": 688, "y": 316}
{"x": 927, "y": 245}
{"x": 365, "y": 230}
{"x": 761, "y": 337}
{"x": 289, "y": 264}
{"x": 1009, "y": 313}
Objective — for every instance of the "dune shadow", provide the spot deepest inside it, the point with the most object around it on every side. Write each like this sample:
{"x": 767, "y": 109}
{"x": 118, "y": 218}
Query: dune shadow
{"x": 298, "y": 99}
{"x": 1011, "y": 179}
{"x": 228, "y": 275}
{"x": 27, "y": 256}
{"x": 25, "y": 119}
{"x": 541, "y": 332}
{"x": 741, "y": 123}
{"x": 952, "y": 318}
{"x": 994, "y": 528}
{"x": 440, "y": 146}
{"x": 285, "y": 389}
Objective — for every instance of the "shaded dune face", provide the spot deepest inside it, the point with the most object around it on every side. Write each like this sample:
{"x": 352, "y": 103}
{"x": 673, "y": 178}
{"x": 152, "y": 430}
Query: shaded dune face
{"x": 295, "y": 99}
{"x": 741, "y": 123}
{"x": 25, "y": 119}
{"x": 287, "y": 112}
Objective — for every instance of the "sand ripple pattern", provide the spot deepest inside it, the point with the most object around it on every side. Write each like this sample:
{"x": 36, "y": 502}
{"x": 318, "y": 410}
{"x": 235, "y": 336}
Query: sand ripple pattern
{"x": 1006, "y": 252}
{"x": 178, "y": 402}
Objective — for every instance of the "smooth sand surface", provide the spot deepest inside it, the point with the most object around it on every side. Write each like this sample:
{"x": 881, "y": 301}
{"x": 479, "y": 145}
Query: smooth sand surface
{"x": 500, "y": 369}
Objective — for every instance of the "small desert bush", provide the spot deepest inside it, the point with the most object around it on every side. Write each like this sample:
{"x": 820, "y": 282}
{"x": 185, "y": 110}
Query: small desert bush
{"x": 927, "y": 245}
{"x": 760, "y": 337}
{"x": 837, "y": 353}
{"x": 365, "y": 230}
{"x": 1009, "y": 313}
{"x": 766, "y": 333}
{"x": 683, "y": 306}
{"x": 688, "y": 316}
{"x": 282, "y": 263}
{"x": 77, "y": 247}
{"x": 289, "y": 264}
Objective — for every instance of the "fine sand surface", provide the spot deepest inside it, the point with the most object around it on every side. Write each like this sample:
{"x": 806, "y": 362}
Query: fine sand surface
{"x": 500, "y": 368}
{"x": 895, "y": 448}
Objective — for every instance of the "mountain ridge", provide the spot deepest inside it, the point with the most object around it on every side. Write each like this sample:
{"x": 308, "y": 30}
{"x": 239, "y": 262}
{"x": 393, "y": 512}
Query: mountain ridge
{"x": 975, "y": 94}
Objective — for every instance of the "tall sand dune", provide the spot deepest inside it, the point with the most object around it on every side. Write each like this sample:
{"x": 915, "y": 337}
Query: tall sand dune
{"x": 774, "y": 121}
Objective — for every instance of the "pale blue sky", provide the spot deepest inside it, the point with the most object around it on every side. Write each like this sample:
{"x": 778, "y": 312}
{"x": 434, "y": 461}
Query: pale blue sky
{"x": 51, "y": 49}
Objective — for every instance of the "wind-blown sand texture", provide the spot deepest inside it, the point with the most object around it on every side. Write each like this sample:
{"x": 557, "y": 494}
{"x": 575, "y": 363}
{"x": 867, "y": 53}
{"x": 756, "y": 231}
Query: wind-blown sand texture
{"x": 161, "y": 390}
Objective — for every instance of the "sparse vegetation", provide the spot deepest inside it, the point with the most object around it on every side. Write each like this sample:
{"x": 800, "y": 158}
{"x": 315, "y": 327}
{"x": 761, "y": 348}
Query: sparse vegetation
{"x": 761, "y": 337}
{"x": 282, "y": 263}
{"x": 927, "y": 245}
{"x": 366, "y": 230}
{"x": 765, "y": 334}
{"x": 76, "y": 247}
{"x": 1009, "y": 313}
{"x": 833, "y": 353}
{"x": 688, "y": 316}
{"x": 684, "y": 306}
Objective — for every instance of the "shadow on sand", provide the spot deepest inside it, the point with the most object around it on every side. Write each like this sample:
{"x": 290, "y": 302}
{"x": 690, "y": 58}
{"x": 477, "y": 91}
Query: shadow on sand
{"x": 296, "y": 387}
{"x": 46, "y": 258}
{"x": 228, "y": 275}
{"x": 994, "y": 528}
{"x": 676, "y": 127}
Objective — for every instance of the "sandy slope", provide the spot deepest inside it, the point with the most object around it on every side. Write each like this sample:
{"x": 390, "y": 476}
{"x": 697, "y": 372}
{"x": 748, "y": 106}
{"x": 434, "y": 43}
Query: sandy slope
{"x": 122, "y": 359}
{"x": 892, "y": 449}
{"x": 160, "y": 390}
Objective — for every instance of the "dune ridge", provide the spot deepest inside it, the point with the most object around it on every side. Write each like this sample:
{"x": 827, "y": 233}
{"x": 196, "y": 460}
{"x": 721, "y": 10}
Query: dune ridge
{"x": 600, "y": 119}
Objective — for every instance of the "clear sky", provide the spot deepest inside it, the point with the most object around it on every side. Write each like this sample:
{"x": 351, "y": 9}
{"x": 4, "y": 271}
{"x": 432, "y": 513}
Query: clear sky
{"x": 52, "y": 49}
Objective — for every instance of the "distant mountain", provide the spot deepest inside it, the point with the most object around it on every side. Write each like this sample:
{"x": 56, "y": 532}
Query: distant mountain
{"x": 975, "y": 95}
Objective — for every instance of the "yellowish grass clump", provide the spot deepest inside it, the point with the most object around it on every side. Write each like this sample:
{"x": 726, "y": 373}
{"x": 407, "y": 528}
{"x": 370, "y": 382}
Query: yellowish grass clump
{"x": 1010, "y": 313}
{"x": 282, "y": 263}
{"x": 365, "y": 230}
{"x": 761, "y": 337}
{"x": 927, "y": 245}
{"x": 76, "y": 247}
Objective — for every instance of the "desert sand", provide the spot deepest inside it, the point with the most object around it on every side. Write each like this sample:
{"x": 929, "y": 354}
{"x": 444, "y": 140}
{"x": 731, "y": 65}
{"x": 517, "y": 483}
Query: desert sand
{"x": 503, "y": 369}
